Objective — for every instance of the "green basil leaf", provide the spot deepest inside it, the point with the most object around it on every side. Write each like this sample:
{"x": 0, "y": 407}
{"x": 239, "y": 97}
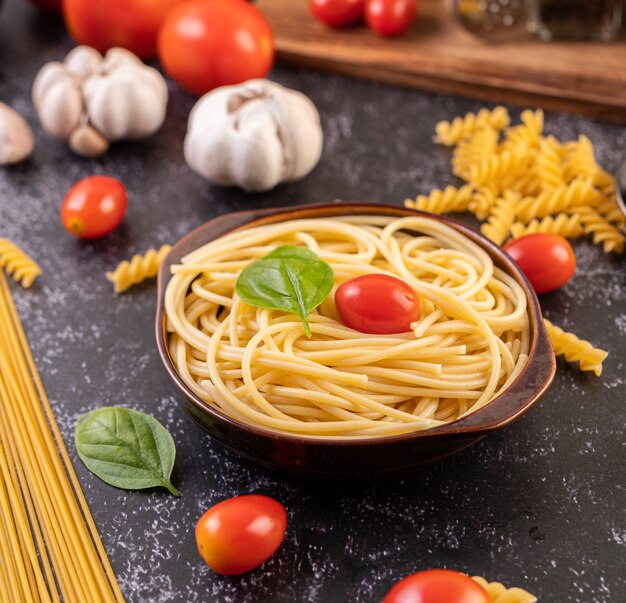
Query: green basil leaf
{"x": 290, "y": 278}
{"x": 126, "y": 448}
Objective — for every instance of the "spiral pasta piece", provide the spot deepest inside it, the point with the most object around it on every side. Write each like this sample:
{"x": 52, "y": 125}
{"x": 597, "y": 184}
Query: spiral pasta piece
{"x": 18, "y": 263}
{"x": 575, "y": 349}
{"x": 527, "y": 134}
{"x": 506, "y": 165}
{"x": 611, "y": 212}
{"x": 602, "y": 231}
{"x": 577, "y": 193}
{"x": 443, "y": 201}
{"x": 500, "y": 594}
{"x": 479, "y": 147}
{"x": 549, "y": 165}
{"x": 580, "y": 160}
{"x": 501, "y": 218}
{"x": 138, "y": 269}
{"x": 449, "y": 133}
{"x": 482, "y": 202}
{"x": 562, "y": 224}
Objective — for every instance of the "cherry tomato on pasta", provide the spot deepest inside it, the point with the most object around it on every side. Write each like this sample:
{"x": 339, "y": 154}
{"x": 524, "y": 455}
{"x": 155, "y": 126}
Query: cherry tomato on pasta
{"x": 437, "y": 586}
{"x": 337, "y": 13}
{"x": 94, "y": 206}
{"x": 377, "y": 303}
{"x": 131, "y": 24}
{"x": 547, "y": 260}
{"x": 390, "y": 17}
{"x": 239, "y": 534}
{"x": 204, "y": 44}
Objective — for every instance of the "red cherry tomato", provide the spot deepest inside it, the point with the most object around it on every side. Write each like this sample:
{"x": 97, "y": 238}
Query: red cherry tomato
{"x": 239, "y": 534}
{"x": 337, "y": 13}
{"x": 131, "y": 24}
{"x": 204, "y": 44}
{"x": 547, "y": 260}
{"x": 377, "y": 303}
{"x": 94, "y": 206}
{"x": 390, "y": 17}
{"x": 437, "y": 586}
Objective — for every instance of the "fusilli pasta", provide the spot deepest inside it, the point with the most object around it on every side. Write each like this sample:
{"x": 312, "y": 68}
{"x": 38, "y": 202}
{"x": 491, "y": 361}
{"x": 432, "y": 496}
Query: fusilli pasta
{"x": 549, "y": 167}
{"x": 500, "y": 594}
{"x": 575, "y": 349}
{"x": 18, "y": 264}
{"x": 443, "y": 201}
{"x": 139, "y": 268}
{"x": 501, "y": 218}
{"x": 577, "y": 193}
{"x": 449, "y": 133}
{"x": 602, "y": 231}
{"x": 562, "y": 224}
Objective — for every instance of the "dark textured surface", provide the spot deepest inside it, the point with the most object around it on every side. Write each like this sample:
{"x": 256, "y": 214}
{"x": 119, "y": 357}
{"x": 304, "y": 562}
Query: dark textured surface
{"x": 540, "y": 504}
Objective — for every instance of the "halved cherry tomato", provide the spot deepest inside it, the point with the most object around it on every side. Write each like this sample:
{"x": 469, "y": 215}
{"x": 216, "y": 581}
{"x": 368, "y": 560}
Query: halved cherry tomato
{"x": 547, "y": 260}
{"x": 204, "y": 44}
{"x": 131, "y": 24}
{"x": 94, "y": 206}
{"x": 337, "y": 13}
{"x": 390, "y": 17}
{"x": 437, "y": 586}
{"x": 377, "y": 303}
{"x": 239, "y": 534}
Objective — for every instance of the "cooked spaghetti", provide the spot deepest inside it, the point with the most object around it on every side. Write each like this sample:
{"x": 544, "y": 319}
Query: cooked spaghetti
{"x": 257, "y": 365}
{"x": 49, "y": 545}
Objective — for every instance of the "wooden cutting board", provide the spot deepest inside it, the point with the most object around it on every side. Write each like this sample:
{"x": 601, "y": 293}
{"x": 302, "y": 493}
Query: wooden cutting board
{"x": 438, "y": 54}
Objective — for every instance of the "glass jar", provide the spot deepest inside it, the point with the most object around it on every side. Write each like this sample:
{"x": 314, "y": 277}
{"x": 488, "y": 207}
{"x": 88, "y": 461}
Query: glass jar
{"x": 575, "y": 19}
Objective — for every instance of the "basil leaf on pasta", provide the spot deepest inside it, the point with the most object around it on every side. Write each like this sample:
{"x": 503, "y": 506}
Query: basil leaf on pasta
{"x": 126, "y": 448}
{"x": 293, "y": 279}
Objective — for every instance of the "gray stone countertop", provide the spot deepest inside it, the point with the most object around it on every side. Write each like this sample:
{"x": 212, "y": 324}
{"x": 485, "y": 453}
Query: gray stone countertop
{"x": 540, "y": 504}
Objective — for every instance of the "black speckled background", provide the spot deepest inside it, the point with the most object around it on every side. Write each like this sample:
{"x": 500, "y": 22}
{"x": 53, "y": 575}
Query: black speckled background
{"x": 540, "y": 504}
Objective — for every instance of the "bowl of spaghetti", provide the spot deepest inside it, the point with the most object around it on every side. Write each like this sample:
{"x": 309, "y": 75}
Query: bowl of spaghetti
{"x": 328, "y": 400}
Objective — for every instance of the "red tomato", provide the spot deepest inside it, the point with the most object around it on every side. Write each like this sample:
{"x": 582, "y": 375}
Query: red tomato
{"x": 94, "y": 206}
{"x": 390, "y": 17}
{"x": 547, "y": 260}
{"x": 377, "y": 303}
{"x": 204, "y": 44}
{"x": 437, "y": 586}
{"x": 131, "y": 24}
{"x": 239, "y": 534}
{"x": 337, "y": 13}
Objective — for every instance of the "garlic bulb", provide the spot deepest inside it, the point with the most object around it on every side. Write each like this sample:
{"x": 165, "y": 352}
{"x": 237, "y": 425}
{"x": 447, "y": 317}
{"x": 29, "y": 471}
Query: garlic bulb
{"x": 91, "y": 100}
{"x": 16, "y": 137}
{"x": 253, "y": 135}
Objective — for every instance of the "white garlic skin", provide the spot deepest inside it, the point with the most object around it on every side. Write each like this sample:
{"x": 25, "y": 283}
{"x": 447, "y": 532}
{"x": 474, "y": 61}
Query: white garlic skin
{"x": 90, "y": 100}
{"x": 253, "y": 135}
{"x": 16, "y": 137}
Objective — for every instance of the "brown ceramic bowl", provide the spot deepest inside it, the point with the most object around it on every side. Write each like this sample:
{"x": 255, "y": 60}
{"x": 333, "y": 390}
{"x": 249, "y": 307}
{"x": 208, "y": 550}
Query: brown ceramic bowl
{"x": 369, "y": 456}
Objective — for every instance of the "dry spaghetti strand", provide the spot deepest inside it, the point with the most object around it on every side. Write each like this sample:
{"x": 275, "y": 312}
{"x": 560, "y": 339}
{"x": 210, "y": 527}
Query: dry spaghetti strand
{"x": 50, "y": 549}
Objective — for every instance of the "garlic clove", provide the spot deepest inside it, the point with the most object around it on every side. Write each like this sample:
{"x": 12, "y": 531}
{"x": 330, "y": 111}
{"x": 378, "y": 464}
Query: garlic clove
{"x": 50, "y": 74}
{"x": 88, "y": 142}
{"x": 16, "y": 137}
{"x": 82, "y": 61}
{"x": 116, "y": 57}
{"x": 127, "y": 102}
